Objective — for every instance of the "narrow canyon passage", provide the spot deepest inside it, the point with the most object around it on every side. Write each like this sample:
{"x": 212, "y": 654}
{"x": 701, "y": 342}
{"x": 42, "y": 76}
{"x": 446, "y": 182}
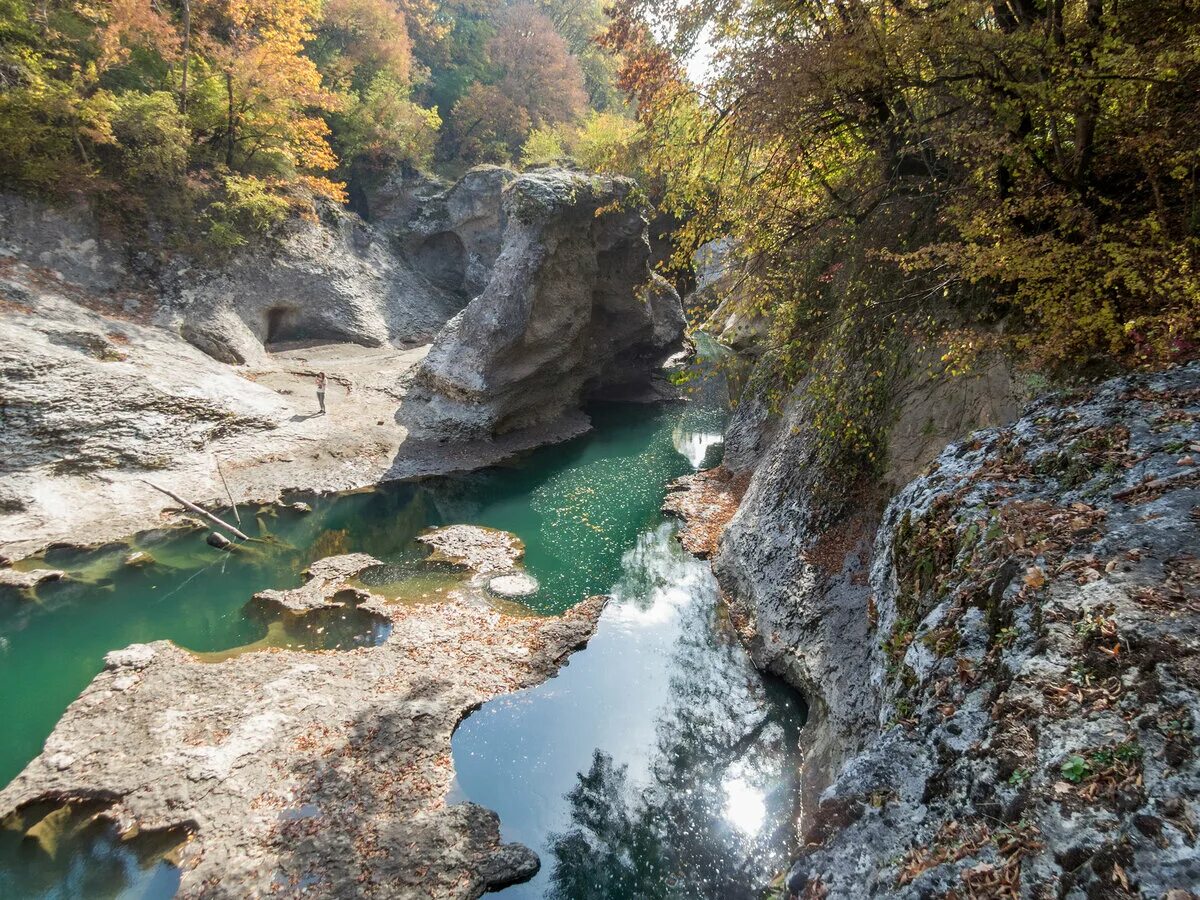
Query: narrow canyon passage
{"x": 659, "y": 756}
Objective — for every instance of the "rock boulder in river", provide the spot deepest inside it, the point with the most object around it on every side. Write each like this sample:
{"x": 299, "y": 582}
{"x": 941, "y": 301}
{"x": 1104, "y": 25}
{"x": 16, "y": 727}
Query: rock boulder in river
{"x": 572, "y": 311}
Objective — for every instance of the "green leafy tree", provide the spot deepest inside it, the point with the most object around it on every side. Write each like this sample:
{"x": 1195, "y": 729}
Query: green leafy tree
{"x": 384, "y": 127}
{"x": 544, "y": 145}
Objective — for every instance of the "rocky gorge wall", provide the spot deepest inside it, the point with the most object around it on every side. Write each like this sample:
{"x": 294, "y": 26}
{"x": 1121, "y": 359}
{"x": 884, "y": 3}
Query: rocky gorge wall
{"x": 330, "y": 276}
{"x": 1001, "y": 664}
{"x": 121, "y": 360}
{"x": 795, "y": 564}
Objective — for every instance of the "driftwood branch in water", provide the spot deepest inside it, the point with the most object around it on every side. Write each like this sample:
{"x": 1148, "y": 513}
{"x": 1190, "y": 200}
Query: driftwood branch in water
{"x": 232, "y": 502}
{"x": 196, "y": 509}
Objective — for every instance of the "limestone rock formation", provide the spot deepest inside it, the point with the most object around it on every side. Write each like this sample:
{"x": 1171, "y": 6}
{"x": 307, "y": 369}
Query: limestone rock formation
{"x": 335, "y": 279}
{"x": 323, "y": 582}
{"x": 116, "y": 357}
{"x": 305, "y": 773}
{"x": 65, "y": 240}
{"x": 71, "y": 382}
{"x": 1002, "y": 676}
{"x": 798, "y": 569}
{"x": 719, "y": 287}
{"x": 451, "y": 234}
{"x": 572, "y": 311}
{"x": 331, "y": 277}
{"x": 25, "y": 582}
{"x": 1031, "y": 665}
{"x": 492, "y": 557}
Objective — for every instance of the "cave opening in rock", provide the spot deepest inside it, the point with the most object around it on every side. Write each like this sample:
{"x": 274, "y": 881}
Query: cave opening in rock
{"x": 279, "y": 323}
{"x": 442, "y": 259}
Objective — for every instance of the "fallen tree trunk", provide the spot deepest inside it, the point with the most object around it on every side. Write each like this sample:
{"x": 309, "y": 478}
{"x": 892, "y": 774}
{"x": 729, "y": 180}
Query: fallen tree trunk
{"x": 196, "y": 509}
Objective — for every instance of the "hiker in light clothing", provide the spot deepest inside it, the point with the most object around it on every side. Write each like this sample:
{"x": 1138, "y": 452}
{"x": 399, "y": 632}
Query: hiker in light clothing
{"x": 321, "y": 391}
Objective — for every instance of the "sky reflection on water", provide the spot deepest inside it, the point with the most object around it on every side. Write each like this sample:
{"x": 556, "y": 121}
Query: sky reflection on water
{"x": 658, "y": 763}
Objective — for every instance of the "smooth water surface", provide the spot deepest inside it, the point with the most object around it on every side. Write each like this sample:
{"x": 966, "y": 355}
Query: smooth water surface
{"x": 658, "y": 763}
{"x": 577, "y": 506}
{"x": 68, "y": 853}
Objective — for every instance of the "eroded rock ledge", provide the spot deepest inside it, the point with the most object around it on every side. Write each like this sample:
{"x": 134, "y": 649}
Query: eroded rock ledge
{"x": 705, "y": 502}
{"x": 323, "y": 582}
{"x": 324, "y": 772}
{"x": 482, "y": 550}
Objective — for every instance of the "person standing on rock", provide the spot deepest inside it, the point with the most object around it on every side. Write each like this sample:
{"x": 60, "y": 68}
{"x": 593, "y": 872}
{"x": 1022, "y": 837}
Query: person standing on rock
{"x": 321, "y": 381}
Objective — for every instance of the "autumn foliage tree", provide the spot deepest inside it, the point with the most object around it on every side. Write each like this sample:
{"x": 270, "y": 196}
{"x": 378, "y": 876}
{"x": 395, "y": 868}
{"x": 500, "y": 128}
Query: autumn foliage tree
{"x": 1026, "y": 161}
{"x": 122, "y": 99}
{"x": 224, "y": 116}
{"x": 274, "y": 93}
{"x": 537, "y": 83}
{"x": 535, "y": 68}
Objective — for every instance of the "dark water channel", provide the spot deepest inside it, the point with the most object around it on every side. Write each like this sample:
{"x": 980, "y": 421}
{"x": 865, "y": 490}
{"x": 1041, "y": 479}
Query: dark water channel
{"x": 657, "y": 764}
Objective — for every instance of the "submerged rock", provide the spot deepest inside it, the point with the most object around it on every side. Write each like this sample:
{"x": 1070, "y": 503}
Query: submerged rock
{"x": 218, "y": 540}
{"x": 572, "y": 311}
{"x": 139, "y": 559}
{"x": 30, "y": 579}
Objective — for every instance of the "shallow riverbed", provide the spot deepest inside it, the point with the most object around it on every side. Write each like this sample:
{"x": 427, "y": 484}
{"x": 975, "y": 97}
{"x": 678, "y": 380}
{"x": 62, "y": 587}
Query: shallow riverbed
{"x": 659, "y": 758}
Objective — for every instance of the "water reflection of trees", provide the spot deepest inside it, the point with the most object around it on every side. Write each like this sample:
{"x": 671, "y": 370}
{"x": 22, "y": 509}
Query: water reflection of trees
{"x": 669, "y": 836}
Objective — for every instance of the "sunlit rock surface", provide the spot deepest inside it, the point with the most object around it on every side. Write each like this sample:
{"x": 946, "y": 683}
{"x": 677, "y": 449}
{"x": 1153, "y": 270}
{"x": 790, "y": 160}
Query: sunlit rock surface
{"x": 1003, "y": 677}
{"x": 322, "y": 581}
{"x": 334, "y": 279}
{"x": 481, "y": 550}
{"x": 318, "y": 772}
{"x": 122, "y": 363}
{"x": 572, "y": 310}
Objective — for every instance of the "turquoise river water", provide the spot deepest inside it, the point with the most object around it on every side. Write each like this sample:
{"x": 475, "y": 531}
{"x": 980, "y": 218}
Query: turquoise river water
{"x": 658, "y": 763}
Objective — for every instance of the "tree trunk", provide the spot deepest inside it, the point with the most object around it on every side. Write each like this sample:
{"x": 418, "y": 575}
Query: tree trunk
{"x": 187, "y": 49}
{"x": 1056, "y": 23}
{"x": 1085, "y": 122}
{"x": 230, "y": 137}
{"x": 187, "y": 504}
